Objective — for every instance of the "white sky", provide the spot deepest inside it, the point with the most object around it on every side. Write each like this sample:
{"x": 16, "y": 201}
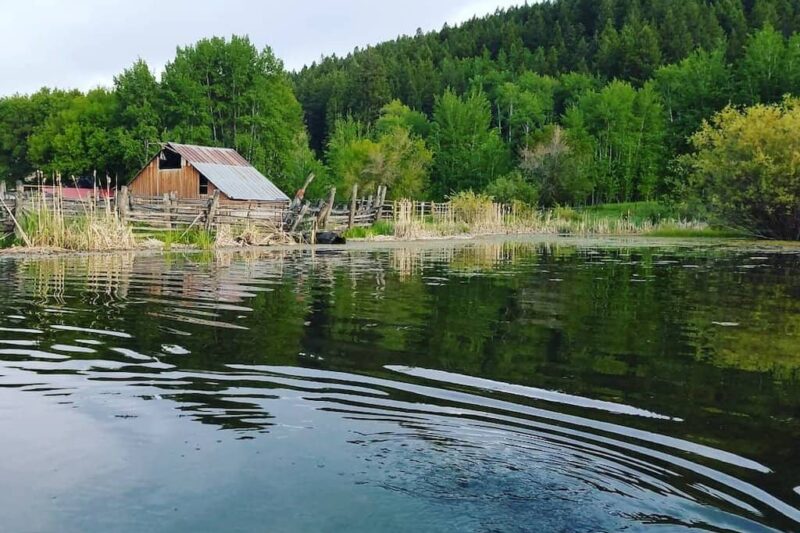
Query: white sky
{"x": 84, "y": 43}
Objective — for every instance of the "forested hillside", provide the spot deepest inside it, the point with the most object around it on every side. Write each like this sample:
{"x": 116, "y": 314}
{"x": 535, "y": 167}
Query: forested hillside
{"x": 569, "y": 101}
{"x": 623, "y": 39}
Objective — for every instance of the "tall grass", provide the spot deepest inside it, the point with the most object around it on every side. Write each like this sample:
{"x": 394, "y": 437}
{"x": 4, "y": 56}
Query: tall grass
{"x": 379, "y": 229}
{"x": 194, "y": 237}
{"x": 476, "y": 214}
{"x": 46, "y": 221}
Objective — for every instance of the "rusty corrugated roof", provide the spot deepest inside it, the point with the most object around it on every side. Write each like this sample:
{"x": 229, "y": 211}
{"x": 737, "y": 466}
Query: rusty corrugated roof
{"x": 206, "y": 154}
{"x": 230, "y": 173}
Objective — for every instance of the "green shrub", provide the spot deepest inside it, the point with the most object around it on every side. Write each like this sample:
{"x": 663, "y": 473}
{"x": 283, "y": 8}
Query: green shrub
{"x": 513, "y": 188}
{"x": 365, "y": 232}
{"x": 637, "y": 212}
{"x": 745, "y": 167}
{"x": 473, "y": 208}
{"x": 567, "y": 213}
{"x": 199, "y": 238}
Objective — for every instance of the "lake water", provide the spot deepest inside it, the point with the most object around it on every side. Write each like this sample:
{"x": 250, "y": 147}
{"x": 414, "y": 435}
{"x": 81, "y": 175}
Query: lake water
{"x": 487, "y": 386}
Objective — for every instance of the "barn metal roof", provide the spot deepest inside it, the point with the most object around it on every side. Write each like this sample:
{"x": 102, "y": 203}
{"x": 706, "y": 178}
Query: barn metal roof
{"x": 230, "y": 173}
{"x": 206, "y": 154}
{"x": 241, "y": 182}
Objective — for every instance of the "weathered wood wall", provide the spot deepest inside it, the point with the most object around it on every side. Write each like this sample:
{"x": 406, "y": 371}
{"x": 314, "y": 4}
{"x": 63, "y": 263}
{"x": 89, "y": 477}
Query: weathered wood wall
{"x": 184, "y": 182}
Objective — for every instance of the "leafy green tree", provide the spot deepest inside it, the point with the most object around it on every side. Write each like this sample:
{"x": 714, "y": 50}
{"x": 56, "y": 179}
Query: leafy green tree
{"x": 745, "y": 167}
{"x": 394, "y": 157}
{"x": 78, "y": 140}
{"x": 693, "y": 90}
{"x": 552, "y": 169}
{"x": 649, "y": 155}
{"x": 524, "y": 107}
{"x": 763, "y": 68}
{"x": 20, "y": 116}
{"x": 571, "y": 87}
{"x": 620, "y": 131}
{"x": 227, "y": 93}
{"x": 395, "y": 115}
{"x": 513, "y": 187}
{"x": 138, "y": 114}
{"x": 349, "y": 151}
{"x": 404, "y": 164}
{"x": 469, "y": 153}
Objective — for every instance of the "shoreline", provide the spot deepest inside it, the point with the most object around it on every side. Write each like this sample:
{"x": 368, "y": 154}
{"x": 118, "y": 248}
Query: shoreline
{"x": 389, "y": 242}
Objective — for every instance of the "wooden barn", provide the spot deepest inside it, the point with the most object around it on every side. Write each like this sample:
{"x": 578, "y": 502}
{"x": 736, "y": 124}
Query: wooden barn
{"x": 195, "y": 172}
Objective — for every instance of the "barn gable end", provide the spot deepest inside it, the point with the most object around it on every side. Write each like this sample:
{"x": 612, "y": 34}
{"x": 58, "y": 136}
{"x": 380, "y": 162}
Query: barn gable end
{"x": 197, "y": 171}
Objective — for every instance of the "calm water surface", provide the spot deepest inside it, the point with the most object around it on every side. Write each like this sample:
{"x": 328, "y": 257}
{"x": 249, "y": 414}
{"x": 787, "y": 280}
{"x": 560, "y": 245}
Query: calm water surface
{"x": 490, "y": 386}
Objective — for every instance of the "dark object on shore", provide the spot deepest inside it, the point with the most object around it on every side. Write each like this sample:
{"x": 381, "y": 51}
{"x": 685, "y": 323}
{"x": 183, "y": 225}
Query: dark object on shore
{"x": 327, "y": 237}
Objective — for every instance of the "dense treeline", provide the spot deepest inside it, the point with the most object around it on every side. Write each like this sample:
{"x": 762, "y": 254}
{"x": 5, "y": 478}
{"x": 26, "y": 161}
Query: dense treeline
{"x": 622, "y": 39}
{"x": 569, "y": 101}
{"x": 563, "y": 102}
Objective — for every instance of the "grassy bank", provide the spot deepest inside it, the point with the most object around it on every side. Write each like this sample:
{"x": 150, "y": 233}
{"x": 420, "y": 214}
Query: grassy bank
{"x": 475, "y": 214}
{"x": 47, "y": 225}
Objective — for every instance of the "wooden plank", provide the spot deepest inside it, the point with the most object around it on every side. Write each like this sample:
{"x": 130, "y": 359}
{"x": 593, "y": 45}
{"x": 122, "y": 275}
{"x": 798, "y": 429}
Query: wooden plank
{"x": 212, "y": 210}
{"x": 299, "y": 218}
{"x": 353, "y": 205}
{"x": 322, "y": 220}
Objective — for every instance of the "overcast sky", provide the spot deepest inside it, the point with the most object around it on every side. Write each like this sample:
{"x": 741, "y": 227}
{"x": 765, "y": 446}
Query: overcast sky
{"x": 84, "y": 43}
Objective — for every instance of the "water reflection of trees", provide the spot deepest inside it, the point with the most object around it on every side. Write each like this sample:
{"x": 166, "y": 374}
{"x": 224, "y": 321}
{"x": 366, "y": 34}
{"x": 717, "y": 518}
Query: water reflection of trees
{"x": 621, "y": 324}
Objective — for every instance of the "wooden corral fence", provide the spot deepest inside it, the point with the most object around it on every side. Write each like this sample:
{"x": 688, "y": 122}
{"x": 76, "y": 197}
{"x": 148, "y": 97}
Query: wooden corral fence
{"x": 26, "y": 198}
{"x": 8, "y": 209}
{"x": 168, "y": 212}
{"x": 164, "y": 213}
{"x": 326, "y": 215}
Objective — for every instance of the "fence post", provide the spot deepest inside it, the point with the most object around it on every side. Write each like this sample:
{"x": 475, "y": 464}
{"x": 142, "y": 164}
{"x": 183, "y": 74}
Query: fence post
{"x": 212, "y": 210}
{"x": 123, "y": 203}
{"x": 381, "y": 199}
{"x": 19, "y": 199}
{"x": 353, "y": 202}
{"x": 3, "y": 190}
{"x": 300, "y": 216}
{"x": 167, "y": 209}
{"x": 325, "y": 212}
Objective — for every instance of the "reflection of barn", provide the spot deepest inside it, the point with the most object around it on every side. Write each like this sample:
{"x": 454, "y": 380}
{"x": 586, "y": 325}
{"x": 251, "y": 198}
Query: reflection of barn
{"x": 197, "y": 171}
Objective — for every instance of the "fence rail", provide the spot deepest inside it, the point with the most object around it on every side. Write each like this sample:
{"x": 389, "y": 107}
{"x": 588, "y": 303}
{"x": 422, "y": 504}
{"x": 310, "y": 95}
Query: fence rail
{"x": 167, "y": 212}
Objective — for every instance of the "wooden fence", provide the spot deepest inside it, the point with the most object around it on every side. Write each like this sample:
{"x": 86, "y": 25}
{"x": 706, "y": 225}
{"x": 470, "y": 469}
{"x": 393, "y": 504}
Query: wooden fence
{"x": 167, "y": 212}
{"x": 164, "y": 213}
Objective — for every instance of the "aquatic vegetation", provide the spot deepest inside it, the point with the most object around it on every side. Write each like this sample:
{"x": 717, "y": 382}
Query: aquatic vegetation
{"x": 195, "y": 237}
{"x": 476, "y": 214}
{"x": 46, "y": 223}
{"x": 380, "y": 228}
